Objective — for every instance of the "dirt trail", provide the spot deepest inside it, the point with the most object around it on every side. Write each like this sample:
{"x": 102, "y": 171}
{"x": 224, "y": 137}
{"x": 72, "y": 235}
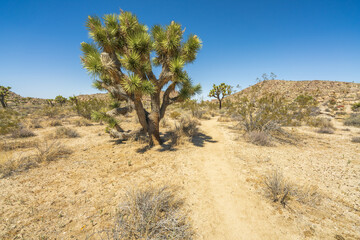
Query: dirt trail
{"x": 222, "y": 206}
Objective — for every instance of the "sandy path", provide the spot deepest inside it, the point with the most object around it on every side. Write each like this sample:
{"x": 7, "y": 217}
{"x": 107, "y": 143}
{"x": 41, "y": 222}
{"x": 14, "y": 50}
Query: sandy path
{"x": 222, "y": 206}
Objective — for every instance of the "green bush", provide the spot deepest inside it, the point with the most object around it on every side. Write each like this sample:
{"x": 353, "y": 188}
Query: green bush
{"x": 355, "y": 107}
{"x": 9, "y": 121}
{"x": 85, "y": 108}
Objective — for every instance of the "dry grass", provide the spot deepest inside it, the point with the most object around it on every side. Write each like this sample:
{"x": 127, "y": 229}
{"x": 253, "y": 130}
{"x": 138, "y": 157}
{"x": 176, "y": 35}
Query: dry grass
{"x": 259, "y": 138}
{"x": 320, "y": 122}
{"x": 64, "y": 132}
{"x": 45, "y": 152}
{"x": 152, "y": 213}
{"x": 224, "y": 119}
{"x": 35, "y": 123}
{"x": 355, "y": 139}
{"x": 353, "y": 120}
{"x": 175, "y": 115}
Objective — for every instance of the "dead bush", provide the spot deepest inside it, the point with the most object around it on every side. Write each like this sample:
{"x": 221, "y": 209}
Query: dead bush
{"x": 184, "y": 131}
{"x": 152, "y": 213}
{"x": 64, "y": 132}
{"x": 259, "y": 138}
{"x": 224, "y": 119}
{"x": 277, "y": 188}
{"x": 355, "y": 139}
{"x": 164, "y": 123}
{"x": 22, "y": 132}
{"x": 55, "y": 123}
{"x": 326, "y": 130}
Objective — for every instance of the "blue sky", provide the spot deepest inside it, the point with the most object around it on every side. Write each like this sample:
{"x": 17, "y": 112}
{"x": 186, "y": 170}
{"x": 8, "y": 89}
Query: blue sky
{"x": 295, "y": 39}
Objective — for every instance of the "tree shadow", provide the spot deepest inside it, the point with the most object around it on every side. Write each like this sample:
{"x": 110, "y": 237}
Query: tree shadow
{"x": 197, "y": 140}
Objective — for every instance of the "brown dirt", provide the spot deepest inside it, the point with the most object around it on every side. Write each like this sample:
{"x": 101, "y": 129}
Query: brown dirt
{"x": 219, "y": 175}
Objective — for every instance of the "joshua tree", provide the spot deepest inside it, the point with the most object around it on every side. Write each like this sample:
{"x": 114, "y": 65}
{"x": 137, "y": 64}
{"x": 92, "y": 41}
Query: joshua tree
{"x": 121, "y": 60}
{"x": 4, "y": 94}
{"x": 220, "y": 91}
{"x": 60, "y": 99}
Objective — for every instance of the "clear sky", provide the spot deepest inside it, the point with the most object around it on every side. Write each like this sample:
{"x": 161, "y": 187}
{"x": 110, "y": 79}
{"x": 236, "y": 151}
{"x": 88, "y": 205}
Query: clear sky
{"x": 295, "y": 39}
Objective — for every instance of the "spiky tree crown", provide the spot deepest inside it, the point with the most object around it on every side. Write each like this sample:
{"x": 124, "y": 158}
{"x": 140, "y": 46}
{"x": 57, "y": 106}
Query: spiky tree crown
{"x": 220, "y": 91}
{"x": 120, "y": 56}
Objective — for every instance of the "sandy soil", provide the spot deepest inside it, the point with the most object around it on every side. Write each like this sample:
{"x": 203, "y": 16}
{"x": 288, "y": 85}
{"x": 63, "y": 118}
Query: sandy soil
{"x": 219, "y": 174}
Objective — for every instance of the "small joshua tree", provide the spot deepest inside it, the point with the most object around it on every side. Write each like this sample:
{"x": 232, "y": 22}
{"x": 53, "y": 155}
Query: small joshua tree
{"x": 4, "y": 94}
{"x": 220, "y": 91}
{"x": 60, "y": 99}
{"x": 121, "y": 59}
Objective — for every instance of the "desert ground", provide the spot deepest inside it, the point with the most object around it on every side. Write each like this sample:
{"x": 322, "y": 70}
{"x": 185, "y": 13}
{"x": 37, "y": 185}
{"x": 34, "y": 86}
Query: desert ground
{"x": 217, "y": 172}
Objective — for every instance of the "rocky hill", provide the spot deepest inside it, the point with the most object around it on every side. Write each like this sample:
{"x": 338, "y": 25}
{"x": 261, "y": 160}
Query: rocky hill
{"x": 344, "y": 93}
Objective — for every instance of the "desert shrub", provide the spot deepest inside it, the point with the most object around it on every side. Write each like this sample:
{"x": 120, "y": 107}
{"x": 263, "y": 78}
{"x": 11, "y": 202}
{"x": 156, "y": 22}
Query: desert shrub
{"x": 55, "y": 123}
{"x": 320, "y": 122}
{"x": 85, "y": 108}
{"x": 82, "y": 122}
{"x": 13, "y": 145}
{"x": 152, "y": 213}
{"x": 16, "y": 164}
{"x": 50, "y": 111}
{"x": 22, "y": 132}
{"x": 35, "y": 123}
{"x": 9, "y": 121}
{"x": 277, "y": 189}
{"x": 355, "y": 107}
{"x": 259, "y": 138}
{"x": 184, "y": 131}
{"x": 47, "y": 152}
{"x": 64, "y": 132}
{"x": 353, "y": 120}
{"x": 164, "y": 123}
{"x": 175, "y": 115}
{"x": 355, "y": 139}
{"x": 326, "y": 130}
{"x": 224, "y": 119}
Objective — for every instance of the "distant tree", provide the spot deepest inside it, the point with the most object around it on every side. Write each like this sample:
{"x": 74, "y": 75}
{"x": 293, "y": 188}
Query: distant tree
{"x": 50, "y": 102}
{"x": 60, "y": 99}
{"x": 4, "y": 95}
{"x": 121, "y": 59}
{"x": 220, "y": 91}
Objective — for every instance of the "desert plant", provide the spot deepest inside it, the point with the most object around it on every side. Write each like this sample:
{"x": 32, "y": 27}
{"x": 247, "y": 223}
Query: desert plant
{"x": 64, "y": 132}
{"x": 50, "y": 111}
{"x": 82, "y": 122}
{"x": 121, "y": 62}
{"x": 355, "y": 107}
{"x": 9, "y": 121}
{"x": 220, "y": 91}
{"x": 86, "y": 107}
{"x": 4, "y": 95}
{"x": 185, "y": 130}
{"x": 51, "y": 151}
{"x": 16, "y": 164}
{"x": 55, "y": 123}
{"x": 175, "y": 115}
{"x": 326, "y": 130}
{"x": 353, "y": 120}
{"x": 35, "y": 123}
{"x": 60, "y": 100}
{"x": 259, "y": 138}
{"x": 22, "y": 132}
{"x": 355, "y": 139}
{"x": 152, "y": 213}
{"x": 320, "y": 122}
{"x": 277, "y": 188}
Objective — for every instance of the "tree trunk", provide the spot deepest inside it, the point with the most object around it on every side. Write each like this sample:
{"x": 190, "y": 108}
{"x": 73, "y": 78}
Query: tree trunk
{"x": 2, "y": 100}
{"x": 153, "y": 128}
{"x": 219, "y": 103}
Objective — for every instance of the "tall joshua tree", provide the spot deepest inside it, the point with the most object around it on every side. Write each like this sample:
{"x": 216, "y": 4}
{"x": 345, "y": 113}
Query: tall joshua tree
{"x": 4, "y": 94}
{"x": 220, "y": 91}
{"x": 120, "y": 60}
